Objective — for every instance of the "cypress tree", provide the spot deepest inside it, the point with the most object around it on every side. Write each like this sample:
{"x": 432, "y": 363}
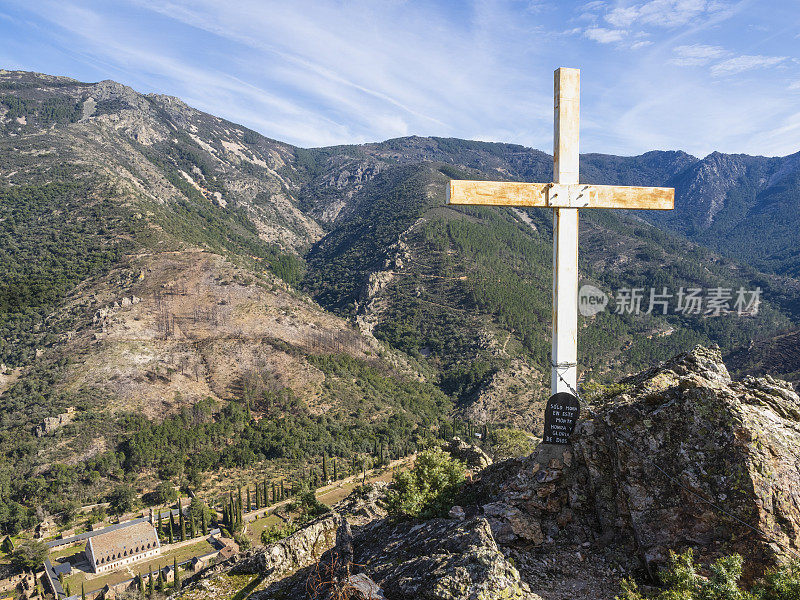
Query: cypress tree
{"x": 249, "y": 506}
{"x": 160, "y": 524}
{"x": 283, "y": 491}
{"x": 266, "y": 496}
{"x": 182, "y": 525}
{"x": 258, "y": 496}
{"x": 335, "y": 474}
{"x": 171, "y": 528}
{"x": 161, "y": 580}
{"x": 141, "y": 584}
{"x": 191, "y": 525}
{"x": 203, "y": 521}
{"x": 83, "y": 592}
{"x": 240, "y": 499}
{"x": 274, "y": 491}
{"x": 151, "y": 585}
{"x": 324, "y": 468}
{"x": 177, "y": 577}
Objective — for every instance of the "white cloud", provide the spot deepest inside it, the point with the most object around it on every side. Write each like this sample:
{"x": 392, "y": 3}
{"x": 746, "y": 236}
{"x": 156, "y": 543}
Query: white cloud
{"x": 597, "y": 5}
{"x": 745, "y": 63}
{"x": 623, "y": 16}
{"x": 641, "y": 44}
{"x": 603, "y": 35}
{"x": 696, "y": 55}
{"x": 662, "y": 13}
{"x": 795, "y": 85}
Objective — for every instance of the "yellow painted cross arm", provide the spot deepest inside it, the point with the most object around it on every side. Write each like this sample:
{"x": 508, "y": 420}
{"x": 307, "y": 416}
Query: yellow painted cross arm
{"x": 556, "y": 195}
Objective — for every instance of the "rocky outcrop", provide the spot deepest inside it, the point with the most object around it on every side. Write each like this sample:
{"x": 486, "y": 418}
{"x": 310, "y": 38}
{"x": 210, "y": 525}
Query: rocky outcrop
{"x": 683, "y": 457}
{"x": 299, "y": 550}
{"x": 376, "y": 557}
{"x": 51, "y": 424}
{"x": 471, "y": 455}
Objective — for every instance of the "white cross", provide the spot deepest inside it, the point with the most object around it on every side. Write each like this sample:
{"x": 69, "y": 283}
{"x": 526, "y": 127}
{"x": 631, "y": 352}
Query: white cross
{"x": 565, "y": 195}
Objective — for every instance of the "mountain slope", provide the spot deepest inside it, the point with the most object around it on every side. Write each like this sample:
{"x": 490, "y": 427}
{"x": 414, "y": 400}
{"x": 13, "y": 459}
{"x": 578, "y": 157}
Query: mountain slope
{"x": 164, "y": 270}
{"x": 744, "y": 206}
{"x": 467, "y": 290}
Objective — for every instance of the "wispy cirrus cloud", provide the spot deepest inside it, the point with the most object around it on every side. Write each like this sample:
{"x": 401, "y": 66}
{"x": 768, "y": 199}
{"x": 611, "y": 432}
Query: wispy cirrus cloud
{"x": 663, "y": 13}
{"x": 320, "y": 72}
{"x": 604, "y": 35}
{"x": 696, "y": 55}
{"x": 745, "y": 62}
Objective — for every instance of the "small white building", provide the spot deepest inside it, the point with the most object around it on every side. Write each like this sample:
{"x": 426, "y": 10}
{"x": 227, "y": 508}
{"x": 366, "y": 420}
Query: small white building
{"x": 122, "y": 546}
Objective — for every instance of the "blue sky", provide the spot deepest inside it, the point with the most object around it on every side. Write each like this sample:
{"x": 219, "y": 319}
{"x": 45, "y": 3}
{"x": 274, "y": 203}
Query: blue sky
{"x": 694, "y": 75}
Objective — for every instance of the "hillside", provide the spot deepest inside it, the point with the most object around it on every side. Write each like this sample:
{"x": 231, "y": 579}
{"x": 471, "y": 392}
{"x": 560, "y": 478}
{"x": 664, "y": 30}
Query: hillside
{"x": 165, "y": 270}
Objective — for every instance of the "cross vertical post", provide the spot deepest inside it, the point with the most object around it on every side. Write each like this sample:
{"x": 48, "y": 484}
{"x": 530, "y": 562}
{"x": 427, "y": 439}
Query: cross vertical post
{"x": 565, "y": 196}
{"x": 565, "y": 233}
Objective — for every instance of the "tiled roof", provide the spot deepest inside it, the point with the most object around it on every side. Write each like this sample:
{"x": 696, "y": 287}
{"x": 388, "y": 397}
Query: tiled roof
{"x": 124, "y": 542}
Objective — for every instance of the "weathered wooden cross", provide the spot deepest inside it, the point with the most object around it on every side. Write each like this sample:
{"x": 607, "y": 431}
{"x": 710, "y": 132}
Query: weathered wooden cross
{"x": 565, "y": 196}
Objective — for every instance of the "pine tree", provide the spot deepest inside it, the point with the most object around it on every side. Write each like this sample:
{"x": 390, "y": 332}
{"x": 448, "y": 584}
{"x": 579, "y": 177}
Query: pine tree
{"x": 177, "y": 577}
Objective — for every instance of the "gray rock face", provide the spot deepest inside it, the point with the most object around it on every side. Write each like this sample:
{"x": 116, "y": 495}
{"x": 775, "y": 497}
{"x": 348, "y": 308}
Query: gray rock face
{"x": 439, "y": 559}
{"x": 442, "y": 559}
{"x": 733, "y": 444}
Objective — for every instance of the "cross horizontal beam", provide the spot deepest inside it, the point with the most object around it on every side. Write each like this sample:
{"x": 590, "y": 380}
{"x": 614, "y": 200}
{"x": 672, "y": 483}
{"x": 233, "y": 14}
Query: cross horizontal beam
{"x": 555, "y": 195}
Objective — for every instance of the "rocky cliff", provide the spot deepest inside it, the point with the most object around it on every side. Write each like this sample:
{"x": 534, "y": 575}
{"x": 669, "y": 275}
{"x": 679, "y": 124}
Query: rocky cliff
{"x": 683, "y": 457}
{"x": 678, "y": 456}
